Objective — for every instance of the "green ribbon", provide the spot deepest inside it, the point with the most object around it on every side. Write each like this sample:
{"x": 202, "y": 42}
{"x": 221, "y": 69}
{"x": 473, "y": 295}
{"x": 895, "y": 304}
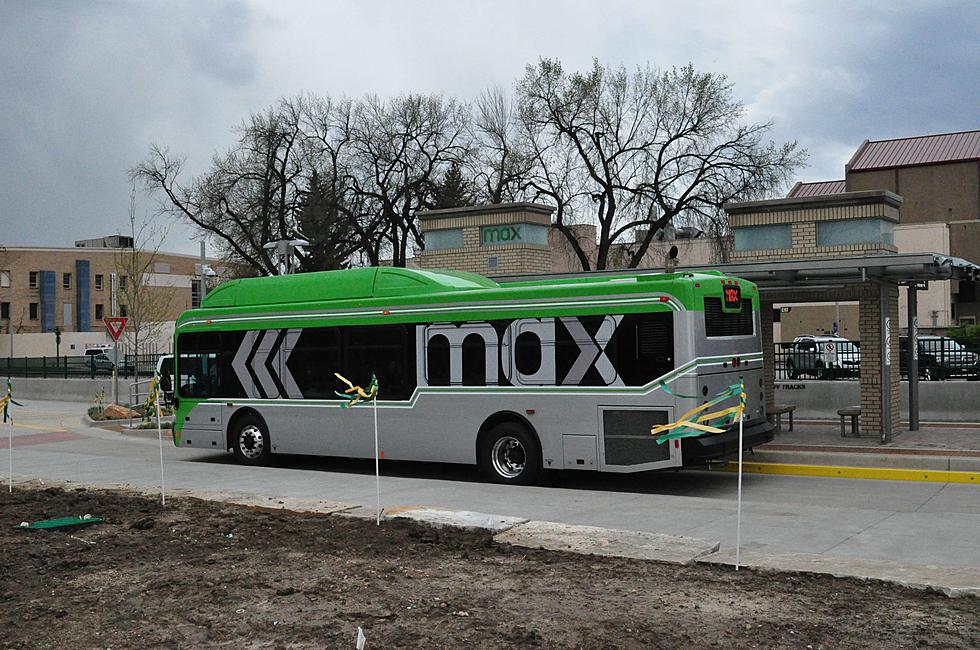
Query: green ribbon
{"x": 735, "y": 390}
{"x": 356, "y": 394}
{"x": 7, "y": 400}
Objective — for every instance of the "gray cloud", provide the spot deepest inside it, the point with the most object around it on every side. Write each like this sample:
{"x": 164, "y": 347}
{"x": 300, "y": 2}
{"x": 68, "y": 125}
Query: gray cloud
{"x": 85, "y": 88}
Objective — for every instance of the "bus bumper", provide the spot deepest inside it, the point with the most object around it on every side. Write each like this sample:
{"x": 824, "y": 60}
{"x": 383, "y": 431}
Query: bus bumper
{"x": 714, "y": 446}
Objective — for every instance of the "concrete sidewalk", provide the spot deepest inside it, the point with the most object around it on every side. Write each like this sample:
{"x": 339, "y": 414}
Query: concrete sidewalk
{"x": 934, "y": 447}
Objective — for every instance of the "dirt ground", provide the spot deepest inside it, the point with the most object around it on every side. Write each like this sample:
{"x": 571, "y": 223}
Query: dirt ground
{"x": 200, "y": 574}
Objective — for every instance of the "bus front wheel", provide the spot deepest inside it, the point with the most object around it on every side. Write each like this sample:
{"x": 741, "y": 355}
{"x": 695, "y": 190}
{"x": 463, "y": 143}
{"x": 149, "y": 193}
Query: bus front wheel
{"x": 509, "y": 454}
{"x": 250, "y": 440}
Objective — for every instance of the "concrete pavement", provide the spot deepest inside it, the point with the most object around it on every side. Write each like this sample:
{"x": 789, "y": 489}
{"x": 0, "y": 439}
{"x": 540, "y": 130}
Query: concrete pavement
{"x": 909, "y": 523}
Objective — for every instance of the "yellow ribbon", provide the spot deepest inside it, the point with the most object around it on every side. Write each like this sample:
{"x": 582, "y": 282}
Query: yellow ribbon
{"x": 686, "y": 421}
{"x": 151, "y": 399}
{"x": 359, "y": 394}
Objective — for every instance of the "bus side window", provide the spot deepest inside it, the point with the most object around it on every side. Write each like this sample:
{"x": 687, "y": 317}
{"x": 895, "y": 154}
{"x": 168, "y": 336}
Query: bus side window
{"x": 197, "y": 364}
{"x": 437, "y": 361}
{"x": 474, "y": 353}
{"x": 386, "y": 350}
{"x": 644, "y": 347}
{"x": 313, "y": 360}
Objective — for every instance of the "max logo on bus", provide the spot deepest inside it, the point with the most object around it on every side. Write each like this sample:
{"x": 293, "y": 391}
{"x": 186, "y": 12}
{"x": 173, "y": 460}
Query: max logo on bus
{"x": 526, "y": 352}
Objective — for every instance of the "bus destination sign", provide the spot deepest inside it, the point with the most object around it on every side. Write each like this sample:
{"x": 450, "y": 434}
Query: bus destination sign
{"x": 733, "y": 297}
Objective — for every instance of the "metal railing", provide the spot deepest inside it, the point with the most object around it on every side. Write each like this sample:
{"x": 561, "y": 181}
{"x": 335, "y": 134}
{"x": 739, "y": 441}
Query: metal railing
{"x": 940, "y": 359}
{"x": 87, "y": 367}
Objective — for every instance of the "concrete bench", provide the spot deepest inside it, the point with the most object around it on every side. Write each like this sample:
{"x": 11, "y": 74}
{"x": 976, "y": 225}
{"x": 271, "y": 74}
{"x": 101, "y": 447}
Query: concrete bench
{"x": 779, "y": 410}
{"x": 853, "y": 412}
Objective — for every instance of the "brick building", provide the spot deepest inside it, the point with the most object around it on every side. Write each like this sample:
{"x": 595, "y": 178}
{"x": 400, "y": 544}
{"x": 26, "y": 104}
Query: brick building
{"x": 73, "y": 289}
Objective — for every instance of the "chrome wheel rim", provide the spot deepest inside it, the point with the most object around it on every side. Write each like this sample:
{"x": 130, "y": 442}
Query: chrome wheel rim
{"x": 508, "y": 456}
{"x": 251, "y": 442}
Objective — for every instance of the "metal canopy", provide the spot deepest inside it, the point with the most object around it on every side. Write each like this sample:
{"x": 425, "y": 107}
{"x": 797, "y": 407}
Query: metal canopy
{"x": 900, "y": 268}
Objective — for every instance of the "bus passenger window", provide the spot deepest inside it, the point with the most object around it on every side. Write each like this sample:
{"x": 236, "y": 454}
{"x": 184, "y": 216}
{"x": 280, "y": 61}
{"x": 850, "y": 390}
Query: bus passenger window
{"x": 437, "y": 361}
{"x": 474, "y": 355}
{"x": 313, "y": 360}
{"x": 527, "y": 355}
{"x": 644, "y": 347}
{"x": 386, "y": 350}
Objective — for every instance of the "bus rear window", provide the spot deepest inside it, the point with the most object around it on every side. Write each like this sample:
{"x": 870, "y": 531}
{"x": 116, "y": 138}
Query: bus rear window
{"x": 719, "y": 323}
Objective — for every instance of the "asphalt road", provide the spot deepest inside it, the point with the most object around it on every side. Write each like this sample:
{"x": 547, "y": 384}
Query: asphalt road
{"x": 906, "y": 522}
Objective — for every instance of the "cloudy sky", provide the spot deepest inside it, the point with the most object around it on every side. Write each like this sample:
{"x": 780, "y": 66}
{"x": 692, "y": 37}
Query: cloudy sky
{"x": 85, "y": 88}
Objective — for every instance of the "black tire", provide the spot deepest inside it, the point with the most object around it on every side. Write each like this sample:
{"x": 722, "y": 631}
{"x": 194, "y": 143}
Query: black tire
{"x": 823, "y": 372}
{"x": 791, "y": 370}
{"x": 510, "y": 454}
{"x": 249, "y": 439}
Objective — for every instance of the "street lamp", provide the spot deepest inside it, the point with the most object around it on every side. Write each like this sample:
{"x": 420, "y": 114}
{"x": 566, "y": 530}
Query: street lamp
{"x": 284, "y": 249}
{"x": 204, "y": 271}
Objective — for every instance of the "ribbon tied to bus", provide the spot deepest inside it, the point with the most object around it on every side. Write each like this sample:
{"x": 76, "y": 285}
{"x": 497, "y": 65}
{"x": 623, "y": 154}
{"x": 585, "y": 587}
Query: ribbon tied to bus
{"x": 356, "y": 394}
{"x": 691, "y": 424}
{"x": 6, "y": 401}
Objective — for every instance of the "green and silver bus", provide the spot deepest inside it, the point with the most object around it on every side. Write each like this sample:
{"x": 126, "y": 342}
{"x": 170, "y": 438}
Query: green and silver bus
{"x": 515, "y": 377}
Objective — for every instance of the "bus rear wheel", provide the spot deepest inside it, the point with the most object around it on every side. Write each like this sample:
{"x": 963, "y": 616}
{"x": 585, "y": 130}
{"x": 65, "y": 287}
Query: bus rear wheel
{"x": 250, "y": 440}
{"x": 509, "y": 454}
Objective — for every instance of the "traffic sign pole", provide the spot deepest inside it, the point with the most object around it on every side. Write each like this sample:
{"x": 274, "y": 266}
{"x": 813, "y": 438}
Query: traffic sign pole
{"x": 115, "y": 325}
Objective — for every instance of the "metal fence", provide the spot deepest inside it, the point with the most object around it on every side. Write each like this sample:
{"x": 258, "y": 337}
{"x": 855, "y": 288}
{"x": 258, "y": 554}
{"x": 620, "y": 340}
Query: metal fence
{"x": 940, "y": 359}
{"x": 88, "y": 367}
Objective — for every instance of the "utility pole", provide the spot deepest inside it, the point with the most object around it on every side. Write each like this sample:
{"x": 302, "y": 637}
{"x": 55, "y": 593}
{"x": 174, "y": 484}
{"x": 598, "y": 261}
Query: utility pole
{"x": 204, "y": 279}
{"x": 203, "y": 271}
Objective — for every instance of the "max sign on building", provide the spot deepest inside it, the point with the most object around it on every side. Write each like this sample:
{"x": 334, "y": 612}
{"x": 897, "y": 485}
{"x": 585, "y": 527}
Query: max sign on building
{"x": 501, "y": 234}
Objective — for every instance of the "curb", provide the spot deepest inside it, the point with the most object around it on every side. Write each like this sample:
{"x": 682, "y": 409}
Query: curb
{"x": 954, "y": 582}
{"x": 945, "y": 460}
{"x": 841, "y": 471}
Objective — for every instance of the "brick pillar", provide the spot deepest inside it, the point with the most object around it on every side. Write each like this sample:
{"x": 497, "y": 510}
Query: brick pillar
{"x": 870, "y": 325}
{"x": 768, "y": 355}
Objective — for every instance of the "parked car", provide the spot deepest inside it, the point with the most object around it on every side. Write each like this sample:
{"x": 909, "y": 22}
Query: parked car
{"x": 806, "y": 356}
{"x": 101, "y": 363}
{"x": 100, "y": 349}
{"x": 940, "y": 358}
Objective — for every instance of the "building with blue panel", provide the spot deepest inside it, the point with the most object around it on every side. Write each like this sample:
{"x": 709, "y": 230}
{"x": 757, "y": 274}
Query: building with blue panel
{"x": 82, "y": 296}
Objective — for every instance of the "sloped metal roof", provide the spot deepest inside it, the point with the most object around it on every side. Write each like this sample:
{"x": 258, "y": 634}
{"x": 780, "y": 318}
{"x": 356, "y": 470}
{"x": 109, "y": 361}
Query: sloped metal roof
{"x": 817, "y": 188}
{"x": 921, "y": 150}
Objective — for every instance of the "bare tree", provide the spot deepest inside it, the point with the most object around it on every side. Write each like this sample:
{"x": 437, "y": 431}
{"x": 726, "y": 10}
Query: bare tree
{"x": 652, "y": 146}
{"x": 329, "y": 128}
{"x": 148, "y": 304}
{"x": 500, "y": 159}
{"x": 250, "y": 196}
{"x": 399, "y": 150}
{"x": 377, "y": 162}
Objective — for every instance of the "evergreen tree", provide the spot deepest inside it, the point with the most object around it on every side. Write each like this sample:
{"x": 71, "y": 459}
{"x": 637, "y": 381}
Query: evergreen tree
{"x": 321, "y": 223}
{"x": 453, "y": 191}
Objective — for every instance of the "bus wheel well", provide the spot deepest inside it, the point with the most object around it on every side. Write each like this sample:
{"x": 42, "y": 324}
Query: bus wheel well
{"x": 233, "y": 420}
{"x": 502, "y": 417}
